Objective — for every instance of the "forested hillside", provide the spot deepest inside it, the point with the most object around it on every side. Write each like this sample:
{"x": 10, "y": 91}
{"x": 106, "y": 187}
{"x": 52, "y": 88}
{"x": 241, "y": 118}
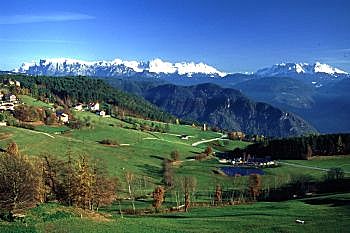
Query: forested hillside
{"x": 72, "y": 90}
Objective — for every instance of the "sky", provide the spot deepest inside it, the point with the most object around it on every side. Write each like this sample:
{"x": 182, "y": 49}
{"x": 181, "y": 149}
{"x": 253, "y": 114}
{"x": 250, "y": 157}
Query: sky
{"x": 231, "y": 35}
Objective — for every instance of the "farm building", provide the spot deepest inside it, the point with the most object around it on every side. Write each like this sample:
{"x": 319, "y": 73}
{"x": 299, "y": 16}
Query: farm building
{"x": 94, "y": 106}
{"x": 63, "y": 117}
{"x": 10, "y": 98}
{"x": 7, "y": 106}
{"x": 101, "y": 113}
{"x": 184, "y": 137}
{"x": 78, "y": 107}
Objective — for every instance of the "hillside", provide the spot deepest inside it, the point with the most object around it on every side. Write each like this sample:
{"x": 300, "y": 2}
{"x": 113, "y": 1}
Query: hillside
{"x": 228, "y": 109}
{"x": 317, "y": 103}
{"x": 74, "y": 90}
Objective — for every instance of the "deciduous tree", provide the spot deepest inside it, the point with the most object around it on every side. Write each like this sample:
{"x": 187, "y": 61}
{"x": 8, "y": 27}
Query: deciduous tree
{"x": 254, "y": 185}
{"x": 158, "y": 197}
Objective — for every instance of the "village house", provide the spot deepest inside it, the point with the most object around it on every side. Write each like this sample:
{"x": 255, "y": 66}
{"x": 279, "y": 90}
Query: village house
{"x": 63, "y": 117}
{"x": 7, "y": 106}
{"x": 10, "y": 98}
{"x": 101, "y": 113}
{"x": 95, "y": 106}
{"x": 78, "y": 107}
{"x": 184, "y": 137}
{"x": 11, "y": 82}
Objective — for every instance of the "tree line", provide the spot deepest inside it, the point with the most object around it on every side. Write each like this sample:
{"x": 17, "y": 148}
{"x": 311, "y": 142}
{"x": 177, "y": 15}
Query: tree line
{"x": 68, "y": 91}
{"x": 298, "y": 147}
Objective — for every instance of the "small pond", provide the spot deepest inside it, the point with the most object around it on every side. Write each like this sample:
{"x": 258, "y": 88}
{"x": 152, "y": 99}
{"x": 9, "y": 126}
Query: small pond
{"x": 241, "y": 171}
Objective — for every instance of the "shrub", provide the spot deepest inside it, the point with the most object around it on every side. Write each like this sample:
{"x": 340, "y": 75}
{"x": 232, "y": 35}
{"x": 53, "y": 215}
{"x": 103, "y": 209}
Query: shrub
{"x": 109, "y": 142}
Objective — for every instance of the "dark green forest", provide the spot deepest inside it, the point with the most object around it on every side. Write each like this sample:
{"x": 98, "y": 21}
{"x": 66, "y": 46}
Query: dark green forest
{"x": 69, "y": 91}
{"x": 298, "y": 147}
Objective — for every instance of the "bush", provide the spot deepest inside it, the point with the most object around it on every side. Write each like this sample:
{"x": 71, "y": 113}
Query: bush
{"x": 109, "y": 142}
{"x": 200, "y": 156}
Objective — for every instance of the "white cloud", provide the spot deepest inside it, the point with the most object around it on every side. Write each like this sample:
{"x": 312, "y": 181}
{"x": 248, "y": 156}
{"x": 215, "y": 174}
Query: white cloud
{"x": 31, "y": 18}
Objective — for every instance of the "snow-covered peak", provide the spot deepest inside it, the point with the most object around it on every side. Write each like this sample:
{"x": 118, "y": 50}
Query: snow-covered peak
{"x": 67, "y": 66}
{"x": 299, "y": 68}
{"x": 183, "y": 68}
{"x": 324, "y": 68}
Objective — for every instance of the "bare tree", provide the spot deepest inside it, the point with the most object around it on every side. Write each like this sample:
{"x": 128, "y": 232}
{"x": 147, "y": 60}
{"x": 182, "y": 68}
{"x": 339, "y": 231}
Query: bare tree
{"x": 103, "y": 187}
{"x": 254, "y": 185}
{"x": 19, "y": 184}
{"x": 188, "y": 186}
{"x": 12, "y": 149}
{"x": 218, "y": 195}
{"x": 208, "y": 151}
{"x": 158, "y": 197}
{"x": 175, "y": 155}
{"x": 168, "y": 174}
{"x": 129, "y": 178}
{"x": 83, "y": 184}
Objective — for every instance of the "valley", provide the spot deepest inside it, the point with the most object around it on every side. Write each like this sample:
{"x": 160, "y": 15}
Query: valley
{"x": 138, "y": 150}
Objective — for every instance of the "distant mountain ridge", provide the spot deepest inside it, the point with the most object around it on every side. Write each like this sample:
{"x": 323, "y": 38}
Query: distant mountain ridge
{"x": 115, "y": 68}
{"x": 227, "y": 109}
{"x": 158, "y": 68}
{"x": 287, "y": 69}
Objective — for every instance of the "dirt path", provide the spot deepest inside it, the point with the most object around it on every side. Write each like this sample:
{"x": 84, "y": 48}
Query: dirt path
{"x": 209, "y": 140}
{"x": 164, "y": 140}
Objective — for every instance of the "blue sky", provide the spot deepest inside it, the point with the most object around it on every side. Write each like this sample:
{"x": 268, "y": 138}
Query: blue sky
{"x": 230, "y": 35}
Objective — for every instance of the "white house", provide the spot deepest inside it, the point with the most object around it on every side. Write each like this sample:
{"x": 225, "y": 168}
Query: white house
{"x": 10, "y": 98}
{"x": 101, "y": 113}
{"x": 63, "y": 117}
{"x": 3, "y": 124}
{"x": 7, "y": 106}
{"x": 17, "y": 83}
{"x": 78, "y": 107}
{"x": 95, "y": 106}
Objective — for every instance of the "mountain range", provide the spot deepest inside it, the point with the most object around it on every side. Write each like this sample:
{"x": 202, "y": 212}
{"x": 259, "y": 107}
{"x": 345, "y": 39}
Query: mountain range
{"x": 227, "y": 109}
{"x": 117, "y": 67}
{"x": 312, "y": 91}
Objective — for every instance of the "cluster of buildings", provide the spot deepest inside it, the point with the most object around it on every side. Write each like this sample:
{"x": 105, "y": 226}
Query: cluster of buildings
{"x": 8, "y": 102}
{"x": 250, "y": 162}
{"x": 93, "y": 107}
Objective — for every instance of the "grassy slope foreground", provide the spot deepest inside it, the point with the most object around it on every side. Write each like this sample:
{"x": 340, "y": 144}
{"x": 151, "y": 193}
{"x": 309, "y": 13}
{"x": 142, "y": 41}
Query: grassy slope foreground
{"x": 142, "y": 153}
{"x": 321, "y": 214}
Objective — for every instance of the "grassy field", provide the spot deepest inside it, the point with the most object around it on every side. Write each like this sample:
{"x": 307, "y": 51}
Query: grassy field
{"x": 34, "y": 102}
{"x": 329, "y": 213}
{"x": 143, "y": 152}
{"x": 326, "y": 162}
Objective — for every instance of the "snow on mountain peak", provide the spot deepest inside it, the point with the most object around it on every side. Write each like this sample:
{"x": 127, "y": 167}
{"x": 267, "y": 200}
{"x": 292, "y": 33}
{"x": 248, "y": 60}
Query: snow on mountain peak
{"x": 324, "y": 68}
{"x": 183, "y": 68}
{"x": 61, "y": 66}
{"x": 299, "y": 68}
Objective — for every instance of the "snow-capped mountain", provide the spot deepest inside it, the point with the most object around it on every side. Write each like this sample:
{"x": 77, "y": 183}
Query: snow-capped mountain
{"x": 117, "y": 67}
{"x": 288, "y": 69}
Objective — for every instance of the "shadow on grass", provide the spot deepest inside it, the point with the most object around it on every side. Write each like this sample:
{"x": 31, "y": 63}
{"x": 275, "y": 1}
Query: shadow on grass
{"x": 157, "y": 157}
{"x": 328, "y": 201}
{"x": 189, "y": 216}
{"x": 150, "y": 170}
